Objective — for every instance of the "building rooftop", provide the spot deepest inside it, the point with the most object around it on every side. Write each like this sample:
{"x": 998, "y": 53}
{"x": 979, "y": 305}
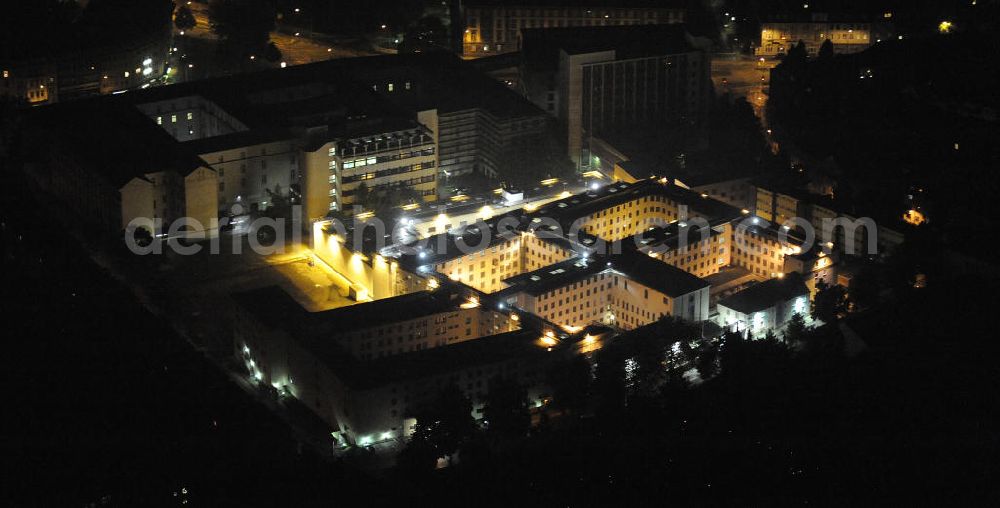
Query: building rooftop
{"x": 275, "y": 308}
{"x": 541, "y": 46}
{"x": 114, "y": 141}
{"x": 671, "y": 236}
{"x": 764, "y": 295}
{"x": 458, "y": 242}
{"x": 555, "y": 276}
{"x": 667, "y": 279}
{"x": 569, "y": 209}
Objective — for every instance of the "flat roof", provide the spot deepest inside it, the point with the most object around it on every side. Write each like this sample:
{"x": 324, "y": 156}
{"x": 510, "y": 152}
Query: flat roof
{"x": 557, "y": 275}
{"x": 656, "y": 274}
{"x": 275, "y": 308}
{"x": 766, "y": 294}
{"x": 572, "y": 208}
{"x": 461, "y": 241}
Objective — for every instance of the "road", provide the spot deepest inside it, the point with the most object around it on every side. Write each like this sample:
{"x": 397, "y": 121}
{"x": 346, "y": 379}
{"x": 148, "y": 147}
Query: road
{"x": 295, "y": 50}
{"x": 743, "y": 76}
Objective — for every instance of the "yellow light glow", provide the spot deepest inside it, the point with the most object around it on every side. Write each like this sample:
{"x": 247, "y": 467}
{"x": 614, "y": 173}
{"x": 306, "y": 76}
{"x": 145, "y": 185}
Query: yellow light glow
{"x": 365, "y": 215}
{"x": 944, "y": 27}
{"x": 572, "y": 329}
{"x": 744, "y": 211}
{"x": 514, "y": 317}
{"x": 459, "y": 198}
{"x": 410, "y": 206}
{"x": 472, "y": 303}
{"x": 498, "y": 191}
{"x": 530, "y": 207}
{"x": 550, "y": 181}
{"x": 593, "y": 174}
{"x": 564, "y": 195}
{"x": 548, "y": 341}
{"x": 485, "y": 212}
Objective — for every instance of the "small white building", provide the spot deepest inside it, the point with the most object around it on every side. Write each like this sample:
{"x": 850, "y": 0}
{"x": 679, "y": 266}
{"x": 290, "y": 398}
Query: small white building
{"x": 765, "y": 306}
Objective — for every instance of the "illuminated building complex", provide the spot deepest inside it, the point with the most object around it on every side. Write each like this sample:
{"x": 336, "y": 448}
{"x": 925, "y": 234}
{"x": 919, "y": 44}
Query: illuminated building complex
{"x": 540, "y": 280}
{"x": 304, "y": 134}
{"x": 364, "y": 369}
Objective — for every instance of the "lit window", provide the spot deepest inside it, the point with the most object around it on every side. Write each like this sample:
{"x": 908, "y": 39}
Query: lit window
{"x": 173, "y": 118}
{"x": 392, "y": 87}
{"x": 6, "y": 74}
{"x": 126, "y": 74}
{"x": 407, "y": 85}
{"x": 190, "y": 116}
{"x": 333, "y": 164}
{"x": 159, "y": 120}
{"x": 333, "y": 151}
{"x": 371, "y": 160}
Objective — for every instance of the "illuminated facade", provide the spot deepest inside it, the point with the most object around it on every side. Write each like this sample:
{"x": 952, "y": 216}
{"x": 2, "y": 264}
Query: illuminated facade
{"x": 776, "y": 38}
{"x": 369, "y": 396}
{"x": 764, "y": 307}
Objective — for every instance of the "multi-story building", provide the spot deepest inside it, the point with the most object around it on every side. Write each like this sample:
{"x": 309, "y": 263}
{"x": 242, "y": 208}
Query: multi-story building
{"x": 480, "y": 121}
{"x": 627, "y": 291}
{"x": 369, "y": 393}
{"x": 494, "y": 29}
{"x": 848, "y": 35}
{"x": 598, "y": 79}
{"x": 319, "y": 135}
{"x": 696, "y": 250}
{"x": 389, "y": 326}
{"x": 765, "y": 306}
{"x": 619, "y": 210}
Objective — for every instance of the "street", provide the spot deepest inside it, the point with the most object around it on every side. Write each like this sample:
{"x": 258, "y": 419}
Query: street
{"x": 743, "y": 76}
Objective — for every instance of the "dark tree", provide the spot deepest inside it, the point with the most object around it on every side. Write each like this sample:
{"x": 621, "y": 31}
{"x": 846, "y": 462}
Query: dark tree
{"x": 864, "y": 288}
{"x": 443, "y": 425}
{"x": 272, "y": 53}
{"x": 571, "y": 384}
{"x": 796, "y": 331}
{"x": 506, "y": 411}
{"x": 183, "y": 18}
{"x": 244, "y": 25}
{"x": 708, "y": 364}
{"x": 609, "y": 381}
{"x": 830, "y": 302}
{"x": 826, "y": 50}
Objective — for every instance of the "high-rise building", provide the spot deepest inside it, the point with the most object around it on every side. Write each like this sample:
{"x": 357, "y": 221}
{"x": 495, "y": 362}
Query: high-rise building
{"x": 598, "y": 79}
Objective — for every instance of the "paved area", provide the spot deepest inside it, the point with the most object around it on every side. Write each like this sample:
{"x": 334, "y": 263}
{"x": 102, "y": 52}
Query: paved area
{"x": 743, "y": 76}
{"x": 295, "y": 50}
